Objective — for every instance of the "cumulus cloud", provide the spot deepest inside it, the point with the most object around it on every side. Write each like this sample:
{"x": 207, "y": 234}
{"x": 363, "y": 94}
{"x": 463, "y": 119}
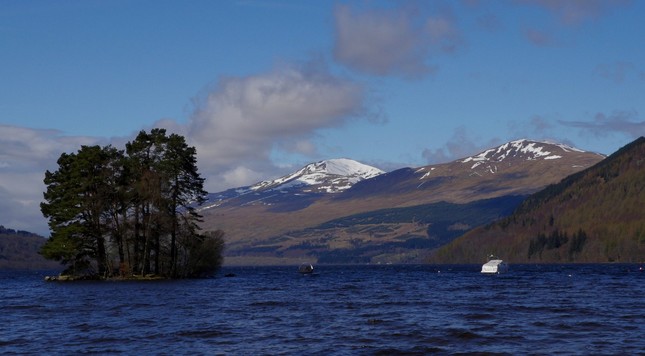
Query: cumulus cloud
{"x": 620, "y": 122}
{"x": 24, "y": 147}
{"x": 239, "y": 123}
{"x": 391, "y": 41}
{"x": 25, "y": 155}
{"x": 236, "y": 127}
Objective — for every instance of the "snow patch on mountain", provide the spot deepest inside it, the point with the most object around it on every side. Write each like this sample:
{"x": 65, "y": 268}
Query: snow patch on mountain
{"x": 330, "y": 176}
{"x": 427, "y": 174}
{"x": 521, "y": 149}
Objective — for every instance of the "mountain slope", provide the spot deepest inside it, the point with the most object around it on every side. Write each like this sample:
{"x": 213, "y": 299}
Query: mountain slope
{"x": 396, "y": 235}
{"x": 595, "y": 215}
{"x": 252, "y": 218}
{"x": 297, "y": 190}
{"x": 330, "y": 176}
{"x": 19, "y": 250}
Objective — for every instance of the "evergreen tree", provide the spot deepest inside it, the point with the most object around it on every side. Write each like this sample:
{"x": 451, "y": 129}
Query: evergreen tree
{"x": 185, "y": 189}
{"x": 76, "y": 199}
{"x": 137, "y": 206}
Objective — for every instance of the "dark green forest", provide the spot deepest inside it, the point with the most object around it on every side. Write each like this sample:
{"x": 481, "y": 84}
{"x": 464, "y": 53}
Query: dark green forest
{"x": 130, "y": 212}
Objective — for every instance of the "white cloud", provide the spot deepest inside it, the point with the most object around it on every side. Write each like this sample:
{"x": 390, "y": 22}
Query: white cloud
{"x": 391, "y": 41}
{"x": 236, "y": 126}
{"x": 233, "y": 176}
{"x": 25, "y": 155}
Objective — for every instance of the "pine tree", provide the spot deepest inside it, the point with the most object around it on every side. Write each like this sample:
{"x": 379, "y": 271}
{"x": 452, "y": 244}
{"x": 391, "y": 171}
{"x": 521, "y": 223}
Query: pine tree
{"x": 137, "y": 206}
{"x": 76, "y": 199}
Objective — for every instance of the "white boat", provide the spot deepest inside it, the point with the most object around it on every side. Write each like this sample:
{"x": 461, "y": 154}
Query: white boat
{"x": 495, "y": 266}
{"x": 306, "y": 268}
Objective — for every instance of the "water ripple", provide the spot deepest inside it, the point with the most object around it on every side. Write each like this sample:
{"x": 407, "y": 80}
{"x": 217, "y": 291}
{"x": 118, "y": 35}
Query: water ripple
{"x": 371, "y": 310}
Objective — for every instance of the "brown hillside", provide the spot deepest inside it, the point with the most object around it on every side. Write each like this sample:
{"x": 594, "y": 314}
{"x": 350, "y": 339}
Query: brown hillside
{"x": 510, "y": 169}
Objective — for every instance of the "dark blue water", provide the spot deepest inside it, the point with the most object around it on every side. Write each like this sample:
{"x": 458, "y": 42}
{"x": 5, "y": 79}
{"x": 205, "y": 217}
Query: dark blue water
{"x": 565, "y": 309}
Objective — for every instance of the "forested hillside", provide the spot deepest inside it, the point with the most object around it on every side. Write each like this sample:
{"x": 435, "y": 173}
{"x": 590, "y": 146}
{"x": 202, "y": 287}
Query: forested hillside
{"x": 19, "y": 250}
{"x": 596, "y": 215}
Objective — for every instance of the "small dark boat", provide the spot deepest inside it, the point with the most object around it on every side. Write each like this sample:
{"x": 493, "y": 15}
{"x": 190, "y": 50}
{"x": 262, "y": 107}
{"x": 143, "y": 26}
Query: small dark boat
{"x": 306, "y": 268}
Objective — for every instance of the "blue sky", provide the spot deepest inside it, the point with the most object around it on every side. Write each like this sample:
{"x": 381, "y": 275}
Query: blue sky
{"x": 263, "y": 87}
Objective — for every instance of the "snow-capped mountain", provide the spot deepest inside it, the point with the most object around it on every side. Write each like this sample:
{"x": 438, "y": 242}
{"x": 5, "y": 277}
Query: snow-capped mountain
{"x": 330, "y": 176}
{"x": 521, "y": 149}
{"x": 323, "y": 177}
{"x": 291, "y": 216}
{"x": 525, "y": 155}
{"x": 518, "y": 167}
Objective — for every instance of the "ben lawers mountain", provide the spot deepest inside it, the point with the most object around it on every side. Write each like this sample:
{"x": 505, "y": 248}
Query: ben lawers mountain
{"x": 324, "y": 177}
{"x": 331, "y": 176}
{"x": 342, "y": 211}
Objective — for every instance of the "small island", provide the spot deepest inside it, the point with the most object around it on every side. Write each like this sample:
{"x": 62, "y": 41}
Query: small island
{"x": 129, "y": 214}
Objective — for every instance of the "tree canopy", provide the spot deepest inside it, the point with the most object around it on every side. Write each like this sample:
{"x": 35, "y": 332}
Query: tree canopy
{"x": 130, "y": 212}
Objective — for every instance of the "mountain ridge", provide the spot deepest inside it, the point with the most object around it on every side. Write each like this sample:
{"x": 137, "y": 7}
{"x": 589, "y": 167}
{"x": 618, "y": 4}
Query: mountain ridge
{"x": 323, "y": 177}
{"x": 338, "y": 173}
{"x": 256, "y": 219}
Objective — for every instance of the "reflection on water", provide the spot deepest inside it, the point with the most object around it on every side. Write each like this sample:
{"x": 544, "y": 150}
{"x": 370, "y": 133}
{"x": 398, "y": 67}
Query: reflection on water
{"x": 545, "y": 309}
